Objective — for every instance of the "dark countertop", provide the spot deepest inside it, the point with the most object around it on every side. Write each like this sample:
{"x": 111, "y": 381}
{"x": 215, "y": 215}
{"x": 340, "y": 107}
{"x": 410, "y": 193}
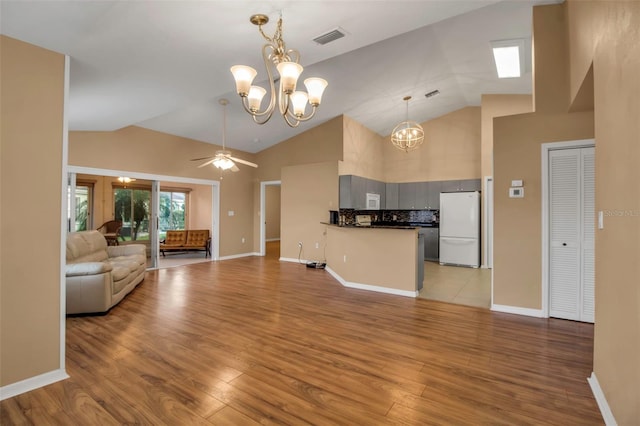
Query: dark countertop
{"x": 387, "y": 225}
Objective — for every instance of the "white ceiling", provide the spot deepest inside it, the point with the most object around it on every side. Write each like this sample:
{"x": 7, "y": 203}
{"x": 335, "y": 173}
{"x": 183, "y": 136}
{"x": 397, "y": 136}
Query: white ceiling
{"x": 164, "y": 65}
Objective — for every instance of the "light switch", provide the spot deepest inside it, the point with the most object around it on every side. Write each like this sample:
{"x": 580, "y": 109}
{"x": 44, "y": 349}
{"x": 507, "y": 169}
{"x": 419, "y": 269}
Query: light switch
{"x": 231, "y": 213}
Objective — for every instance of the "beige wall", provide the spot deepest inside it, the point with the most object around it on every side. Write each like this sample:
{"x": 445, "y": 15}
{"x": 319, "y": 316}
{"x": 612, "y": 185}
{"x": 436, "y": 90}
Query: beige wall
{"x": 604, "y": 48}
{"x": 32, "y": 99}
{"x": 493, "y": 106}
{"x": 363, "y": 151}
{"x": 378, "y": 257}
{"x": 272, "y": 211}
{"x": 200, "y": 206}
{"x": 517, "y": 155}
{"x": 451, "y": 150}
{"x": 319, "y": 144}
{"x": 158, "y": 153}
{"x": 303, "y": 210}
{"x": 607, "y": 35}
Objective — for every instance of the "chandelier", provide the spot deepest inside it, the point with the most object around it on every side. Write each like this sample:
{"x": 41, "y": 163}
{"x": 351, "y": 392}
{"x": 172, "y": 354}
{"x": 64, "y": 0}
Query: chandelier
{"x": 407, "y": 135}
{"x": 291, "y": 102}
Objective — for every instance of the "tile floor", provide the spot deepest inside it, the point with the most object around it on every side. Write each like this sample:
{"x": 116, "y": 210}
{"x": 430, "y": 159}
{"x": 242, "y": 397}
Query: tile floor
{"x": 463, "y": 286}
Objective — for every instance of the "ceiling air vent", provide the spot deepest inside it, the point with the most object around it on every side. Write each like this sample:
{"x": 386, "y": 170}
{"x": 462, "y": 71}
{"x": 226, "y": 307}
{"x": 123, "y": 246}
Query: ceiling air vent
{"x": 330, "y": 36}
{"x": 432, "y": 93}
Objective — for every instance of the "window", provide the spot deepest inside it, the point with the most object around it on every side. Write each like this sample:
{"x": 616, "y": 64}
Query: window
{"x": 132, "y": 206}
{"x": 84, "y": 207}
{"x": 172, "y": 211}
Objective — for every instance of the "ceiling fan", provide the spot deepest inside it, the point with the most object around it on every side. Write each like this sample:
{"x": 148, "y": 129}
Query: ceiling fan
{"x": 223, "y": 158}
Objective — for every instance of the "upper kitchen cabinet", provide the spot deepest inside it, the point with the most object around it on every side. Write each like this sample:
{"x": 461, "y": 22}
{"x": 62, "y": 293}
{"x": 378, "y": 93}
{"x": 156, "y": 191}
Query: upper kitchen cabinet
{"x": 433, "y": 195}
{"x": 461, "y": 185}
{"x": 376, "y": 187}
{"x": 391, "y": 199}
{"x": 419, "y": 196}
{"x": 407, "y": 195}
{"x": 354, "y": 189}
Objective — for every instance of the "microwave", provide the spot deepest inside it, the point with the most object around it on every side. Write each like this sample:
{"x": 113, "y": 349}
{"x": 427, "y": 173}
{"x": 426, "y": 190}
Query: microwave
{"x": 373, "y": 201}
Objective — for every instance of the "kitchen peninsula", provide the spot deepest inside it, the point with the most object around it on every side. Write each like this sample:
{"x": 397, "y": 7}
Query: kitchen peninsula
{"x": 388, "y": 259}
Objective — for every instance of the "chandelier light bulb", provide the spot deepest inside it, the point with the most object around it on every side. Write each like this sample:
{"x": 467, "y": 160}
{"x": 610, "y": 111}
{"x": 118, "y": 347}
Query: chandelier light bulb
{"x": 299, "y": 101}
{"x": 244, "y": 76}
{"x": 256, "y": 93}
{"x": 315, "y": 87}
{"x": 289, "y": 74}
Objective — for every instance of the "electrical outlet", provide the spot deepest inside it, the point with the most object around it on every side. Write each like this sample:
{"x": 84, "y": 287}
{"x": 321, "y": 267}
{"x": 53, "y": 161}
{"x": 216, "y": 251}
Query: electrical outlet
{"x": 317, "y": 244}
{"x": 242, "y": 240}
{"x": 344, "y": 259}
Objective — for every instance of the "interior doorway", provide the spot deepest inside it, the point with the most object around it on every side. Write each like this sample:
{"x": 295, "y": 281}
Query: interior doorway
{"x": 269, "y": 213}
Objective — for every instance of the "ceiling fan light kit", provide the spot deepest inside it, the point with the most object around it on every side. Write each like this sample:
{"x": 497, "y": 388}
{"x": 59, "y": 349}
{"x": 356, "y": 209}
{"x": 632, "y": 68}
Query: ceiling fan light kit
{"x": 223, "y": 159}
{"x": 291, "y": 103}
{"x": 407, "y": 135}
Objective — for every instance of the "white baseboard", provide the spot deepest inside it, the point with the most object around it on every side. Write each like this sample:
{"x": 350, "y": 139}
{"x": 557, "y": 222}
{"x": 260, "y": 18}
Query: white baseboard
{"x": 237, "y": 256}
{"x": 293, "y": 260}
{"x": 369, "y": 287}
{"x": 32, "y": 383}
{"x": 607, "y": 415}
{"x": 518, "y": 310}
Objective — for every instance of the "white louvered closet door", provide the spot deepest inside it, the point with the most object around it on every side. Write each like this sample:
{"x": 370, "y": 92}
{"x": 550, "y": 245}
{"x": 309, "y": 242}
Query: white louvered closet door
{"x": 571, "y": 255}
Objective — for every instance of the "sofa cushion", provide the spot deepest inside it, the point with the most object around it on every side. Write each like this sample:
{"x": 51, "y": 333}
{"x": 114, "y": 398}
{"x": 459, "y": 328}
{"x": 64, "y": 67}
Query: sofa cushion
{"x": 120, "y": 271}
{"x": 197, "y": 238}
{"x": 175, "y": 238}
{"x": 87, "y": 268}
{"x": 86, "y": 246}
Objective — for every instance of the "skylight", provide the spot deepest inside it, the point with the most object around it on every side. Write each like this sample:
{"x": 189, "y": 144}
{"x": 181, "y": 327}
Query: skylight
{"x": 509, "y": 57}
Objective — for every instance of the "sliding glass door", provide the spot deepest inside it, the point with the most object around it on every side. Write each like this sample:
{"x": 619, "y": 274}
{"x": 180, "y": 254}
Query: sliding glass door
{"x": 133, "y": 207}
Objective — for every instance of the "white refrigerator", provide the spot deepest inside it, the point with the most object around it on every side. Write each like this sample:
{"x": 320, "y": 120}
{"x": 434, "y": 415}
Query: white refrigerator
{"x": 460, "y": 228}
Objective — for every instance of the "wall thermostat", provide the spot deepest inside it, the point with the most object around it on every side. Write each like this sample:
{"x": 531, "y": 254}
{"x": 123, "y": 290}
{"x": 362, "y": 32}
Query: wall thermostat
{"x": 516, "y": 192}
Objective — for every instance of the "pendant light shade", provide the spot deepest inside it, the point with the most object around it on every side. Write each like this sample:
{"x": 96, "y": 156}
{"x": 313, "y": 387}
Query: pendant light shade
{"x": 407, "y": 135}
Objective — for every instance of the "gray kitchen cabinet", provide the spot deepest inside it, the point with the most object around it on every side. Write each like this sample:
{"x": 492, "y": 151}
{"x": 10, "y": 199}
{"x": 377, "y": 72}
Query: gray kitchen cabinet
{"x": 354, "y": 189}
{"x": 376, "y": 187}
{"x": 345, "y": 192}
{"x": 433, "y": 195}
{"x": 449, "y": 186}
{"x": 422, "y": 195}
{"x": 358, "y": 192}
{"x": 407, "y": 195}
{"x": 391, "y": 196}
{"x": 431, "y": 244}
{"x": 470, "y": 185}
{"x": 461, "y": 185}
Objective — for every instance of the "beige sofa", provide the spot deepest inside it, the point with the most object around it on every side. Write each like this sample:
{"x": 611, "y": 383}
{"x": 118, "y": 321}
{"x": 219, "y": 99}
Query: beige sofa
{"x": 100, "y": 276}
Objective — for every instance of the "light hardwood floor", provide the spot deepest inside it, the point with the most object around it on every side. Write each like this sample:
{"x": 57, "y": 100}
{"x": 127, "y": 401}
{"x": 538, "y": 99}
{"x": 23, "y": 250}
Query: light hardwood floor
{"x": 257, "y": 341}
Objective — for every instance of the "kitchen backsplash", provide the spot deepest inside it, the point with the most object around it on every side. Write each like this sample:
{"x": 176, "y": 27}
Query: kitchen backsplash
{"x": 413, "y": 216}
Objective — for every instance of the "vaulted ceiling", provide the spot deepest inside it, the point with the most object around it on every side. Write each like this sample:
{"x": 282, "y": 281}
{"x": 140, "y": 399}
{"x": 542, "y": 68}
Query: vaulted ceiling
{"x": 164, "y": 65}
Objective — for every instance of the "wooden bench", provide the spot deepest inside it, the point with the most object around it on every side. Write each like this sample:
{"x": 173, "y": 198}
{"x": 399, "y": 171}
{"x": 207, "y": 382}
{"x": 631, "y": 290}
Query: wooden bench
{"x": 187, "y": 240}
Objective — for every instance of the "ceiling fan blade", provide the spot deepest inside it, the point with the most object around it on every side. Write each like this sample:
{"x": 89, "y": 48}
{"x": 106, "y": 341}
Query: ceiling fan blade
{"x": 198, "y": 159}
{"x": 247, "y": 163}
{"x": 235, "y": 168}
{"x": 206, "y": 163}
